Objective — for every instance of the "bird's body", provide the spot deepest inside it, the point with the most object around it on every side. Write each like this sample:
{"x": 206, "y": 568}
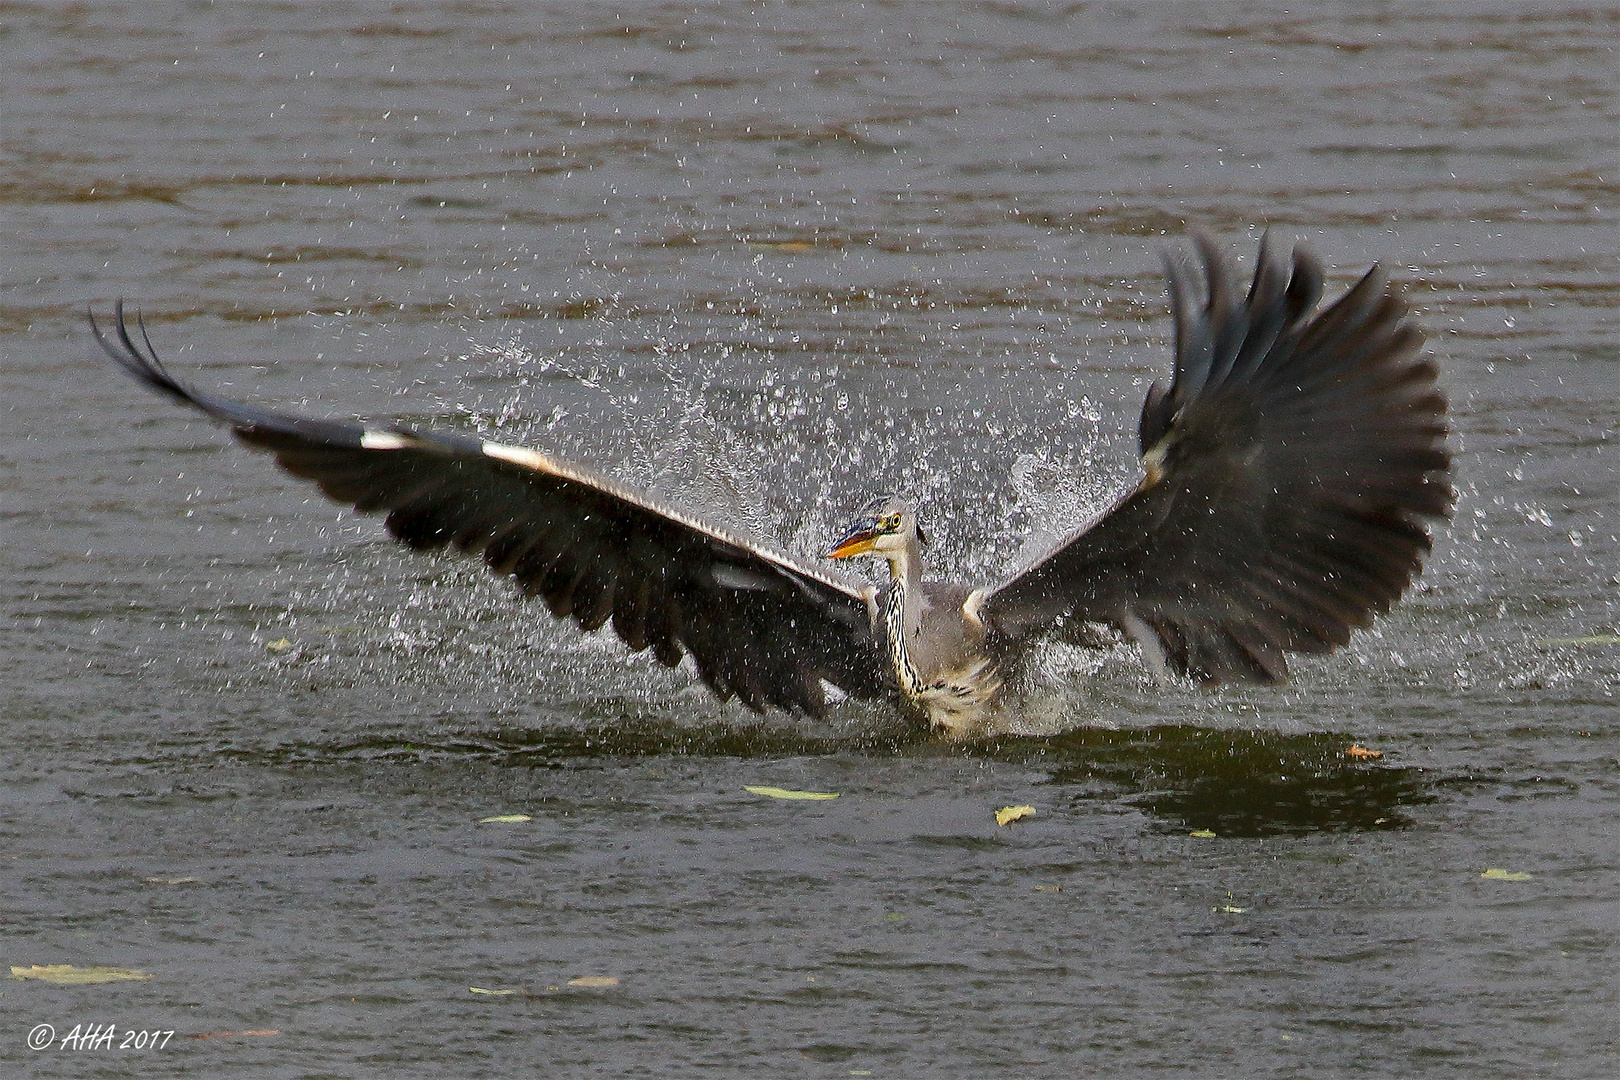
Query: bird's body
{"x": 930, "y": 631}
{"x": 937, "y": 649}
{"x": 959, "y": 691}
{"x": 1291, "y": 469}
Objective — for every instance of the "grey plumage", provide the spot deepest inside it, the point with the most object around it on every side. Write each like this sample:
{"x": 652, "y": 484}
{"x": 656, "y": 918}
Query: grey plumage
{"x": 1293, "y": 466}
{"x": 760, "y": 627}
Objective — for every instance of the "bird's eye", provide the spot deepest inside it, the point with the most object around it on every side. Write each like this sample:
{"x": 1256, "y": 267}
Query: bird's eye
{"x": 892, "y": 521}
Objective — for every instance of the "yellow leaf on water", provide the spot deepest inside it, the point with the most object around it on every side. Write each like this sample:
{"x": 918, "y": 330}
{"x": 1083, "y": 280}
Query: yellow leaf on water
{"x": 280, "y": 645}
{"x": 1228, "y": 909}
{"x": 785, "y": 793}
{"x": 1500, "y": 875}
{"x": 594, "y": 980}
{"x": 505, "y": 818}
{"x": 1362, "y": 752}
{"x": 492, "y": 993}
{"x": 1203, "y": 834}
{"x": 1009, "y": 814}
{"x": 782, "y": 245}
{"x": 68, "y": 974}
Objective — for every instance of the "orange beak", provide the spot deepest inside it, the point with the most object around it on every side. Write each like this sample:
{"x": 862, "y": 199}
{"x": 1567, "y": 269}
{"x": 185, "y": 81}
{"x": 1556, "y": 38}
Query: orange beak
{"x": 858, "y": 541}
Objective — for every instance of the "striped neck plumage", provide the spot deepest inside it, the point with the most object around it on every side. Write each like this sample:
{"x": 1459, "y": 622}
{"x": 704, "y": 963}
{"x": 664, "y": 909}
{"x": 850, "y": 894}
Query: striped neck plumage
{"x": 902, "y": 615}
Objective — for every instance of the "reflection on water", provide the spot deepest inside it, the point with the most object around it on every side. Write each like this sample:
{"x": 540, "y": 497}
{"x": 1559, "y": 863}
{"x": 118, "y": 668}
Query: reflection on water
{"x": 1240, "y": 783}
{"x": 1233, "y": 783}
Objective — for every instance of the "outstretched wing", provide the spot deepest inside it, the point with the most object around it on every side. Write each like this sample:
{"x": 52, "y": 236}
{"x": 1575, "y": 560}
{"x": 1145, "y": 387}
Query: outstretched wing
{"x": 759, "y": 625}
{"x": 1292, "y": 469}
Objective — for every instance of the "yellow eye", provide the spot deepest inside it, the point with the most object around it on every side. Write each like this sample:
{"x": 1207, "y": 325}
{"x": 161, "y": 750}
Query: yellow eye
{"x": 892, "y": 521}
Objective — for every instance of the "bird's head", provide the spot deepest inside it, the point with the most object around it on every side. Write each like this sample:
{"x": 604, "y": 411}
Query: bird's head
{"x": 886, "y": 527}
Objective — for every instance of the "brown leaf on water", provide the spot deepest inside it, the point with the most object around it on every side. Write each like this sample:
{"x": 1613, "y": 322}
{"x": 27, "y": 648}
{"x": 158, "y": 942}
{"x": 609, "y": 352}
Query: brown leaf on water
{"x": 1362, "y": 752}
{"x": 68, "y": 975}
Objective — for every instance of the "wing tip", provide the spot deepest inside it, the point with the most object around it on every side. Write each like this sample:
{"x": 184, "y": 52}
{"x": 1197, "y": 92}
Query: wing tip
{"x": 138, "y": 360}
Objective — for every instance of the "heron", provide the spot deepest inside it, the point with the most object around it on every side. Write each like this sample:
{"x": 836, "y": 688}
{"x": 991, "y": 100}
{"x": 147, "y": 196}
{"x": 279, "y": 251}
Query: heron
{"x": 1290, "y": 473}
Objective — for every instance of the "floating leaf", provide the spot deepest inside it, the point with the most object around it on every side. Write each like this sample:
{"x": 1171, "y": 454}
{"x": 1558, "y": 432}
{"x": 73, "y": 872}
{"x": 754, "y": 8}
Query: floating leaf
{"x": 1362, "y": 752}
{"x": 1228, "y": 909}
{"x": 280, "y": 645}
{"x": 784, "y": 793}
{"x": 1203, "y": 834}
{"x": 505, "y": 818}
{"x": 594, "y": 981}
{"x": 67, "y": 974}
{"x": 1009, "y": 814}
{"x": 1048, "y": 888}
{"x": 785, "y": 246}
{"x": 1493, "y": 874}
{"x": 492, "y": 993}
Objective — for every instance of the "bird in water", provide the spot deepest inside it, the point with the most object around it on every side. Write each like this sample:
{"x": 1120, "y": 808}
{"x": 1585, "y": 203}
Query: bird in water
{"x": 1291, "y": 470}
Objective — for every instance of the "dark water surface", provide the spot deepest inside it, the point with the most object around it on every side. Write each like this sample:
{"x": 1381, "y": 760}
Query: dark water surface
{"x": 772, "y": 259}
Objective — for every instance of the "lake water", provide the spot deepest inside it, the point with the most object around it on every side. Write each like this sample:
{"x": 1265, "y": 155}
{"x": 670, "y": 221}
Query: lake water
{"x": 773, "y": 259}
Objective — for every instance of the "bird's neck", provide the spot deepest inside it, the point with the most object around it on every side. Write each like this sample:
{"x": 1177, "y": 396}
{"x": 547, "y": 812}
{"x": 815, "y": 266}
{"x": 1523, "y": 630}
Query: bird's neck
{"x": 902, "y": 615}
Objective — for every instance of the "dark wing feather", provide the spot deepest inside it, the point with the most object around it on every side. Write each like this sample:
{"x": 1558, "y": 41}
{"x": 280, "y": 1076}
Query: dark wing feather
{"x": 1293, "y": 466}
{"x": 760, "y": 626}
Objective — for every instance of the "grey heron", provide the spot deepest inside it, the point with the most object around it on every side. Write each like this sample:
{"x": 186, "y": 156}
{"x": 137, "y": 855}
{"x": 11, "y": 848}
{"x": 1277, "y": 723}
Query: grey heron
{"x": 1291, "y": 470}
